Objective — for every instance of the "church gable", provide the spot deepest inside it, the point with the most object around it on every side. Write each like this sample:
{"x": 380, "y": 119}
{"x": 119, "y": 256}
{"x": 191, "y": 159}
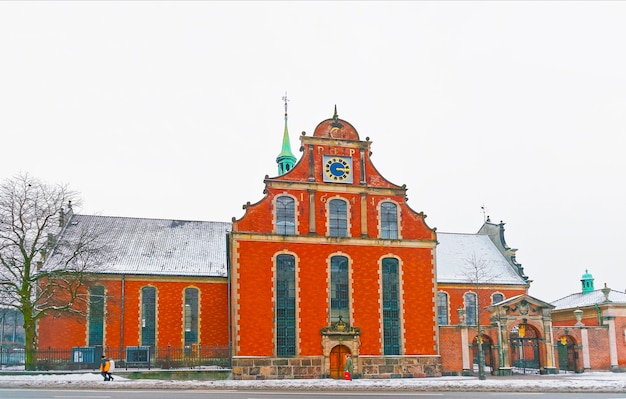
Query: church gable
{"x": 333, "y": 244}
{"x": 335, "y": 167}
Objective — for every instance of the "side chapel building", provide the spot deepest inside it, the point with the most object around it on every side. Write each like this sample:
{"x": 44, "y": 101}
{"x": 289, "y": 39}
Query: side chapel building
{"x": 331, "y": 261}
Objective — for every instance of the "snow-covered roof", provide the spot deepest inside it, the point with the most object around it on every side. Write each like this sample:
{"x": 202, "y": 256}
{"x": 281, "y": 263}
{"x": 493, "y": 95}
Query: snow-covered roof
{"x": 158, "y": 246}
{"x": 199, "y": 248}
{"x": 592, "y": 298}
{"x": 454, "y": 251}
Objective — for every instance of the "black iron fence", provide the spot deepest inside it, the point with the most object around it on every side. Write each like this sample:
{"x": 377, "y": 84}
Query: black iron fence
{"x": 11, "y": 354}
{"x": 85, "y": 358}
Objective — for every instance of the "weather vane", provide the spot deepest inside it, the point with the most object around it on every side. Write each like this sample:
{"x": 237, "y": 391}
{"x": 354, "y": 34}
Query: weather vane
{"x": 285, "y": 100}
{"x": 483, "y": 209}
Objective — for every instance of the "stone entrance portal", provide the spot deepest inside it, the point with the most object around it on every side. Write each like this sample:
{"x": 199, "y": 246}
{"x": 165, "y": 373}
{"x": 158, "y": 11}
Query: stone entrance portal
{"x": 524, "y": 337}
{"x": 339, "y": 340}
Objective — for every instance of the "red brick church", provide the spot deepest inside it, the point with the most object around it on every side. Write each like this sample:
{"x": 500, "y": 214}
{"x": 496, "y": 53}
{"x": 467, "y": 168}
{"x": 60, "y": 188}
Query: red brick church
{"x": 330, "y": 261}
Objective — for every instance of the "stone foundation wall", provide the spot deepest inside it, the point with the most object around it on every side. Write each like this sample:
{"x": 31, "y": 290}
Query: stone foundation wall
{"x": 267, "y": 368}
{"x": 399, "y": 366}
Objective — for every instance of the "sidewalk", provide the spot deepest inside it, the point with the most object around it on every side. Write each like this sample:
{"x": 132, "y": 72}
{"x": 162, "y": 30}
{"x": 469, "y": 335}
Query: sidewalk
{"x": 587, "y": 382}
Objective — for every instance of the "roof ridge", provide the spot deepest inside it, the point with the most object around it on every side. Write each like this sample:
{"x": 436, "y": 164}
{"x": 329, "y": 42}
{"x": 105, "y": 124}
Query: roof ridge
{"x": 147, "y": 218}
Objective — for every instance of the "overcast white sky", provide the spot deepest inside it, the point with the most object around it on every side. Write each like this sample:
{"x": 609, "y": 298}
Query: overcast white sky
{"x": 174, "y": 110}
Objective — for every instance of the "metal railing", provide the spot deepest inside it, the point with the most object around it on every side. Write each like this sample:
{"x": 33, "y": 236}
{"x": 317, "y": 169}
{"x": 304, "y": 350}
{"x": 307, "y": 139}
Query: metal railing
{"x": 12, "y": 355}
{"x": 85, "y": 358}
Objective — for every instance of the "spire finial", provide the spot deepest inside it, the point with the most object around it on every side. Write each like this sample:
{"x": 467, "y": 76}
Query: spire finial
{"x": 335, "y": 122}
{"x": 285, "y": 99}
{"x": 285, "y": 159}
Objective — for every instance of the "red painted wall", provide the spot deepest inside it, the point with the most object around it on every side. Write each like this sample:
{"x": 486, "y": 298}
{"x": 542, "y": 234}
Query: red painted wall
{"x": 456, "y": 298}
{"x": 66, "y": 331}
{"x": 254, "y": 247}
{"x": 255, "y": 306}
{"x": 451, "y": 349}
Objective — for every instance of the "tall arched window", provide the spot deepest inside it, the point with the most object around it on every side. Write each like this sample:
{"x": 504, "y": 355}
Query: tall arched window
{"x": 442, "y": 308}
{"x": 388, "y": 220}
{"x": 96, "y": 316}
{"x": 191, "y": 316}
{"x": 339, "y": 289}
{"x": 148, "y": 316}
{"x": 338, "y": 218}
{"x": 391, "y": 307}
{"x": 470, "y": 308}
{"x": 285, "y": 215}
{"x": 285, "y": 306}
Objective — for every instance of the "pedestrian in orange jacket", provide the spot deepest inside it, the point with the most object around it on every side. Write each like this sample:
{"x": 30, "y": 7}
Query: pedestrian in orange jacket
{"x": 105, "y": 367}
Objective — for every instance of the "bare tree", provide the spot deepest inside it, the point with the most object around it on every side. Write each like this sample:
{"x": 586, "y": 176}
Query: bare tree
{"x": 31, "y": 220}
{"x": 479, "y": 272}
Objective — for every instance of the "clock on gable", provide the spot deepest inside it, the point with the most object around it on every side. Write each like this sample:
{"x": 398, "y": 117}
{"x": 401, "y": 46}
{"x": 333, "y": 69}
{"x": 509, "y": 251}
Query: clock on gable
{"x": 337, "y": 169}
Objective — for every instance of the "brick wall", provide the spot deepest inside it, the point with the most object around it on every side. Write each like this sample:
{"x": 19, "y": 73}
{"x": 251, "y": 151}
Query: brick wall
{"x": 255, "y": 308}
{"x": 450, "y": 350}
{"x": 65, "y": 331}
{"x": 456, "y": 294}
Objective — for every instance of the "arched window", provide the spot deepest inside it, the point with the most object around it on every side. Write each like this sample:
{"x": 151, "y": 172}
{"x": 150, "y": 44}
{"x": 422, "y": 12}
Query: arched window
{"x": 442, "y": 308}
{"x": 388, "y": 220}
{"x": 339, "y": 290}
{"x": 148, "y": 316}
{"x": 391, "y": 307}
{"x": 497, "y": 297}
{"x": 470, "y": 308}
{"x": 191, "y": 316}
{"x": 96, "y": 316}
{"x": 285, "y": 215}
{"x": 338, "y": 218}
{"x": 285, "y": 306}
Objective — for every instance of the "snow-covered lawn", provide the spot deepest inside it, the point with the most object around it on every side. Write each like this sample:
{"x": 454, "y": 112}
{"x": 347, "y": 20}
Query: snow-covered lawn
{"x": 586, "y": 382}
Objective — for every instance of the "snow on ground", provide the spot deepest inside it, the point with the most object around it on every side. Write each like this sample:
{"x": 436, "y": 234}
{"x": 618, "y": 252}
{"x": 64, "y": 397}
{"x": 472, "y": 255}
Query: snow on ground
{"x": 586, "y": 382}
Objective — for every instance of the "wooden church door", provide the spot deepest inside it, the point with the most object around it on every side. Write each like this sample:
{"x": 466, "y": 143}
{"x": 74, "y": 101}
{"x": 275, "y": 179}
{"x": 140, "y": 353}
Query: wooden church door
{"x": 338, "y": 361}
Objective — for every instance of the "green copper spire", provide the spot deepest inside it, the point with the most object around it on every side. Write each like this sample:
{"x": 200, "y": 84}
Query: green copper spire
{"x": 285, "y": 159}
{"x": 587, "y": 281}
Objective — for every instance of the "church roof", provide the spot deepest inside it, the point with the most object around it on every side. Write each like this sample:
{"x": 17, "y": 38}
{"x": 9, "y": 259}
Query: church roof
{"x": 596, "y": 297}
{"x": 158, "y": 246}
{"x": 455, "y": 249}
{"x": 199, "y": 248}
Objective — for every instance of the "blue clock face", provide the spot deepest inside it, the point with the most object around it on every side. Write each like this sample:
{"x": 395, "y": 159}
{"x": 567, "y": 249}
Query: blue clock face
{"x": 337, "y": 169}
